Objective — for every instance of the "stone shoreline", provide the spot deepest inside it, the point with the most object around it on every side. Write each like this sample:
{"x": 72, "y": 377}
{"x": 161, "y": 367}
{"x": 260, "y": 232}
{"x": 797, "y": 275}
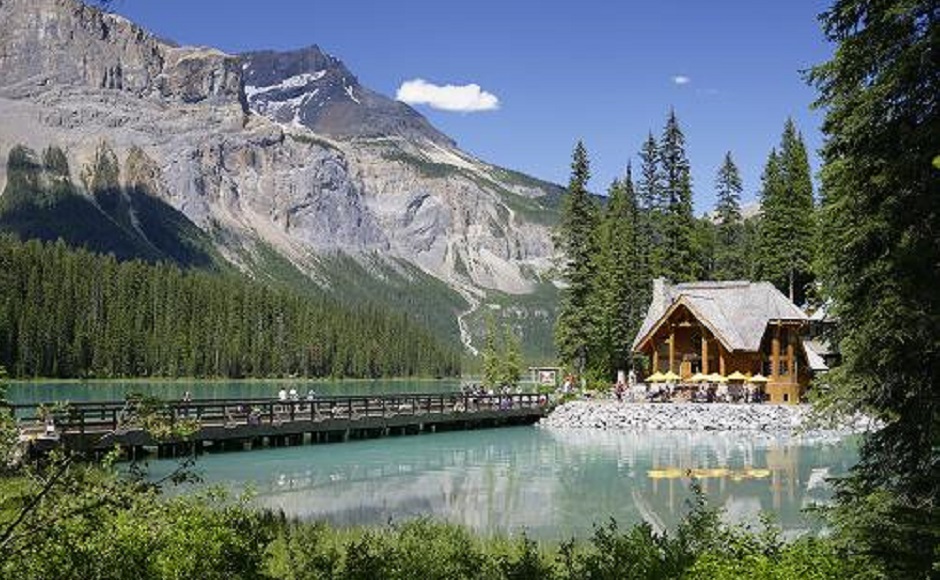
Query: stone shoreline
{"x": 607, "y": 414}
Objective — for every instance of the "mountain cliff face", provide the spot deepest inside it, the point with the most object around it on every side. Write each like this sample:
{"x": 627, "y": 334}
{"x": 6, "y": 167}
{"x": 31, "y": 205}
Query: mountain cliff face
{"x": 279, "y": 158}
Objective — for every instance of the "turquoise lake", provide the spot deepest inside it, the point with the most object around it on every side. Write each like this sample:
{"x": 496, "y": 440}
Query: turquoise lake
{"x": 552, "y": 484}
{"x": 82, "y": 391}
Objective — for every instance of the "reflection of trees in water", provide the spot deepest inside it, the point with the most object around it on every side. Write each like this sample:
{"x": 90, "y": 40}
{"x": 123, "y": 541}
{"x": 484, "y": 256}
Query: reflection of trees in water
{"x": 475, "y": 479}
{"x": 743, "y": 472}
{"x": 555, "y": 484}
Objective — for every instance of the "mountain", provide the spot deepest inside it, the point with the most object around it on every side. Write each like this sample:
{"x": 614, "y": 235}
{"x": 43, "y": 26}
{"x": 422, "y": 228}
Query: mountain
{"x": 290, "y": 168}
{"x": 41, "y": 202}
{"x": 310, "y": 88}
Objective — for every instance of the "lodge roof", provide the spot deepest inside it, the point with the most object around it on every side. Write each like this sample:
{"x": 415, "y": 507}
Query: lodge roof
{"x": 736, "y": 312}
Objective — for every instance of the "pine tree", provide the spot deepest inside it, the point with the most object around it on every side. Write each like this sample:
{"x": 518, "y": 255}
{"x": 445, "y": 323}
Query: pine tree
{"x": 491, "y": 364}
{"x": 730, "y": 261}
{"x": 787, "y": 221}
{"x": 679, "y": 263}
{"x": 649, "y": 244}
{"x": 621, "y": 282}
{"x": 771, "y": 263}
{"x": 577, "y": 238}
{"x": 880, "y": 270}
{"x": 511, "y": 369}
{"x": 799, "y": 184}
{"x": 649, "y": 188}
{"x": 704, "y": 248}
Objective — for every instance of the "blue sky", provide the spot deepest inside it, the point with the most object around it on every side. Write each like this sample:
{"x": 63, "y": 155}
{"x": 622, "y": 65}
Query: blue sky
{"x": 598, "y": 70}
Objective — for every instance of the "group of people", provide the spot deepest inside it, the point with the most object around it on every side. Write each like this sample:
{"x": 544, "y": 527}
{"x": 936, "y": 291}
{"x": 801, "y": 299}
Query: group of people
{"x": 701, "y": 393}
{"x": 284, "y": 395}
{"x": 475, "y": 391}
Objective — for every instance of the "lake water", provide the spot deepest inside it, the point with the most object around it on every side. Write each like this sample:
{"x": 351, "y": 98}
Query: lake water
{"x": 81, "y": 391}
{"x": 553, "y": 484}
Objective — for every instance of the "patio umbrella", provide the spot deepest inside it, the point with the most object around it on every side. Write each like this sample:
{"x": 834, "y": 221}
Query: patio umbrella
{"x": 758, "y": 378}
{"x": 656, "y": 377}
{"x": 736, "y": 376}
{"x": 671, "y": 377}
{"x": 716, "y": 378}
{"x": 697, "y": 378}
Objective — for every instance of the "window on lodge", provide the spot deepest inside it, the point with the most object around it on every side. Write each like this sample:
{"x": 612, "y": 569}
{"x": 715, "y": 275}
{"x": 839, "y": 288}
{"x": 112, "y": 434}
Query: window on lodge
{"x": 782, "y": 368}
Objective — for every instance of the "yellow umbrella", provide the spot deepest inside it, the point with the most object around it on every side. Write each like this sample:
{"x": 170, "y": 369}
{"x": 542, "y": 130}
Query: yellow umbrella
{"x": 656, "y": 377}
{"x": 716, "y": 378}
{"x": 758, "y": 378}
{"x": 736, "y": 376}
{"x": 697, "y": 378}
{"x": 671, "y": 377}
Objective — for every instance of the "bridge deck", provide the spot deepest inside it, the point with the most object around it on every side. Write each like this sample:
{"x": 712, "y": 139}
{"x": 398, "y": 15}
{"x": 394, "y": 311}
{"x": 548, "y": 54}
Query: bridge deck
{"x": 91, "y": 426}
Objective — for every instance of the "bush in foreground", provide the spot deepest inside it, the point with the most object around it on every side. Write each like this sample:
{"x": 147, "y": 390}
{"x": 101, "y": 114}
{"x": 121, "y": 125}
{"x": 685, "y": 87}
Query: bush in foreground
{"x": 701, "y": 548}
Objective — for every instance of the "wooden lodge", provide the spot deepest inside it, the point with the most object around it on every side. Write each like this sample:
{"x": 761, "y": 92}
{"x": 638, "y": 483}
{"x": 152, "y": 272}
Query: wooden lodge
{"x": 727, "y": 327}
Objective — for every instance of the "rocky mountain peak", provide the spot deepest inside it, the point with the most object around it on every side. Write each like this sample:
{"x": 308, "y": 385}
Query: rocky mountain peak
{"x": 310, "y": 88}
{"x": 67, "y": 44}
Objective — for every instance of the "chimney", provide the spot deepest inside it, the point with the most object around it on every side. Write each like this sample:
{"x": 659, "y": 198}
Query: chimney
{"x": 660, "y": 298}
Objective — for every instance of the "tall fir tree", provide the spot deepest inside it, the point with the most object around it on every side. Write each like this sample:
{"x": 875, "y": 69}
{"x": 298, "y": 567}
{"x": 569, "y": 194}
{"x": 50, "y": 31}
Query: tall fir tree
{"x": 679, "y": 263}
{"x": 511, "y": 368}
{"x": 799, "y": 183}
{"x": 490, "y": 354}
{"x": 649, "y": 190}
{"x": 880, "y": 272}
{"x": 577, "y": 238}
{"x": 704, "y": 244}
{"x": 730, "y": 260}
{"x": 619, "y": 289}
{"x": 787, "y": 226}
{"x": 770, "y": 234}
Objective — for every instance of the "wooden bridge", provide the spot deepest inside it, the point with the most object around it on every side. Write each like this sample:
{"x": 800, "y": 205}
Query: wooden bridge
{"x": 172, "y": 428}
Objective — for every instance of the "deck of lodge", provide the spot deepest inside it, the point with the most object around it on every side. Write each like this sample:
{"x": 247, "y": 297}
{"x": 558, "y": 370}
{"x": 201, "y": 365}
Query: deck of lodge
{"x": 230, "y": 424}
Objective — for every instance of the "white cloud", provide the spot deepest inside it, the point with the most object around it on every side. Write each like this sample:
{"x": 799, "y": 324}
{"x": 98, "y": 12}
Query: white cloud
{"x": 681, "y": 80}
{"x": 459, "y": 98}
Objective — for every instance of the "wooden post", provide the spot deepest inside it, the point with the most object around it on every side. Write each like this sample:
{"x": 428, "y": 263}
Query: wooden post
{"x": 790, "y": 359}
{"x": 721, "y": 360}
{"x": 672, "y": 350}
{"x": 775, "y": 354}
{"x": 704, "y": 354}
{"x": 655, "y": 357}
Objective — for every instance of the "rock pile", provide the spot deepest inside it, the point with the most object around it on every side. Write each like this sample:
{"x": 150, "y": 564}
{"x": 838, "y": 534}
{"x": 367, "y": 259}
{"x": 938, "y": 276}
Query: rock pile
{"x": 695, "y": 417}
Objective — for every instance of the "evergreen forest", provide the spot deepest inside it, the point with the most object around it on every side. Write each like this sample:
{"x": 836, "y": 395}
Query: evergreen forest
{"x": 73, "y": 313}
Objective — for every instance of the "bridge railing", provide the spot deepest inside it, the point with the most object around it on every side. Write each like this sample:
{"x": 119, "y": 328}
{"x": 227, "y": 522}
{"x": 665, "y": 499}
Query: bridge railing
{"x": 98, "y": 416}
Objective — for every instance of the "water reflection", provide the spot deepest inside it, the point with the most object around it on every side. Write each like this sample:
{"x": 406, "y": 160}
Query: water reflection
{"x": 555, "y": 484}
{"x": 745, "y": 473}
